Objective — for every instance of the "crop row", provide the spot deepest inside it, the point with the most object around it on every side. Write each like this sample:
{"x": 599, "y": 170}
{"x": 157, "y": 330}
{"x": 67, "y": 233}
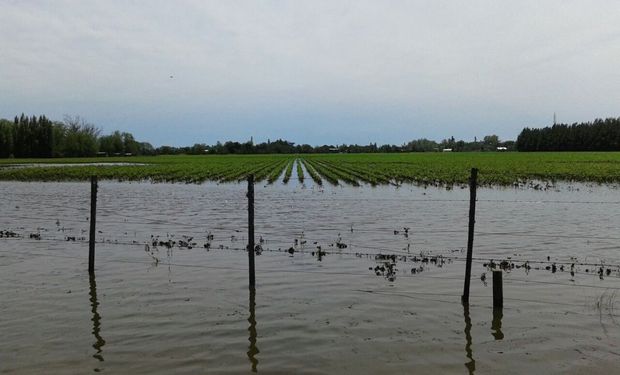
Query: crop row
{"x": 331, "y": 174}
{"x": 289, "y": 171}
{"x": 312, "y": 172}
{"x": 300, "y": 171}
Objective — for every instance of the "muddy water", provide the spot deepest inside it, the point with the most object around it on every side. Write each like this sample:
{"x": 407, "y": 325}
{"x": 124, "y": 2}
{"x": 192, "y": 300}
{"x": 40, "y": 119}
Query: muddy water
{"x": 181, "y": 310}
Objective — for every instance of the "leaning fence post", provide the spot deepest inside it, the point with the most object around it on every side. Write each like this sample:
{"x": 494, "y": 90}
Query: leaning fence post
{"x": 251, "y": 229}
{"x": 93, "y": 221}
{"x": 470, "y": 235}
{"x": 498, "y": 290}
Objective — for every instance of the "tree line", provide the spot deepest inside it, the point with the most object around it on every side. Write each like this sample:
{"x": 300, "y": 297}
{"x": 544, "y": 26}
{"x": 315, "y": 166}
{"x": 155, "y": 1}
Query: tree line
{"x": 488, "y": 143}
{"x": 598, "y": 135}
{"x": 40, "y": 137}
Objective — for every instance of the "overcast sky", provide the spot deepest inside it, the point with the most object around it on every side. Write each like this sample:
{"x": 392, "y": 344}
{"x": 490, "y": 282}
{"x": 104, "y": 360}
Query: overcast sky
{"x": 181, "y": 72}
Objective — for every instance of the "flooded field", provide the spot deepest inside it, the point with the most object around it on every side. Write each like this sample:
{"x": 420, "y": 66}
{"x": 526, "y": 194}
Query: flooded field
{"x": 359, "y": 280}
{"x": 66, "y": 165}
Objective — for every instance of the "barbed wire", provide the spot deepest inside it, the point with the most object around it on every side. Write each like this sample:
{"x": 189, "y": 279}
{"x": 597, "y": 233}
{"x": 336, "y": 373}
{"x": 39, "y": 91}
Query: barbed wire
{"x": 310, "y": 243}
{"x": 484, "y": 261}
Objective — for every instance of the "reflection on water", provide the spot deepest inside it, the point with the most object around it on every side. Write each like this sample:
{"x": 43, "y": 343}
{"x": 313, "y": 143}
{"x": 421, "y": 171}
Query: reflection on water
{"x": 471, "y": 365}
{"x": 253, "y": 349}
{"x": 96, "y": 319}
{"x": 496, "y": 325}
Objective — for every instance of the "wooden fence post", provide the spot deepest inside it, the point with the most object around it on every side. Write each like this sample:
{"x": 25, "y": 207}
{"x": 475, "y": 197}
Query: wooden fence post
{"x": 93, "y": 222}
{"x": 251, "y": 229}
{"x": 498, "y": 290}
{"x": 470, "y": 237}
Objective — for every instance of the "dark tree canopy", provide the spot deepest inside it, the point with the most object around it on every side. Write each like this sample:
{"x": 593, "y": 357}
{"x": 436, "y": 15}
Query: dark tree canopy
{"x": 39, "y": 137}
{"x": 599, "y": 135}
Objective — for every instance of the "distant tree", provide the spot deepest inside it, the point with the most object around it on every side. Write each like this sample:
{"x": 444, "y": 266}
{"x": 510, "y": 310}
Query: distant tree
{"x": 422, "y": 145}
{"x": 199, "y": 149}
{"x": 81, "y": 137}
{"x": 111, "y": 144}
{"x": 6, "y": 138}
{"x": 45, "y": 136}
{"x": 59, "y": 134}
{"x": 146, "y": 148}
{"x": 491, "y": 141}
{"x": 130, "y": 145}
{"x": 599, "y": 135}
{"x": 167, "y": 150}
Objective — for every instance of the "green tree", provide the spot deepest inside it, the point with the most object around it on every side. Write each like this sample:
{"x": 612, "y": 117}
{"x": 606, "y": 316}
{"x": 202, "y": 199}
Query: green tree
{"x": 6, "y": 138}
{"x": 112, "y": 144}
{"x": 81, "y": 137}
{"x": 130, "y": 146}
{"x": 491, "y": 141}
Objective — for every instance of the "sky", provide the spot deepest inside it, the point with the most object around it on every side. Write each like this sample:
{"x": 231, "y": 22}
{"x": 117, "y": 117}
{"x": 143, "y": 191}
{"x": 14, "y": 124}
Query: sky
{"x": 316, "y": 72}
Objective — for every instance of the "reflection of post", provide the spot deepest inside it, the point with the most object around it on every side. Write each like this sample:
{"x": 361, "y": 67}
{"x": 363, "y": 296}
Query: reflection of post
{"x": 496, "y": 325}
{"x": 498, "y": 291}
{"x": 253, "y": 349}
{"x": 100, "y": 342}
{"x": 471, "y": 365}
{"x": 93, "y": 221}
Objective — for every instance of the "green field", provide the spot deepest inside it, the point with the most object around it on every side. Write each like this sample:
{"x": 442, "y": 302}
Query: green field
{"x": 348, "y": 169}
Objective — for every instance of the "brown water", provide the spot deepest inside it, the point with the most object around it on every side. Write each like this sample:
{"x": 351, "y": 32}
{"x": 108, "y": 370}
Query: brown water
{"x": 190, "y": 311}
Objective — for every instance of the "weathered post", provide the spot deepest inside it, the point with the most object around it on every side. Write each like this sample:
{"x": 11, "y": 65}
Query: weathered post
{"x": 470, "y": 236}
{"x": 251, "y": 229}
{"x": 93, "y": 222}
{"x": 498, "y": 290}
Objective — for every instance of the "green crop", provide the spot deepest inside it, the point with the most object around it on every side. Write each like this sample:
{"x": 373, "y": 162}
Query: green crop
{"x": 300, "y": 171}
{"x": 288, "y": 172}
{"x": 447, "y": 169}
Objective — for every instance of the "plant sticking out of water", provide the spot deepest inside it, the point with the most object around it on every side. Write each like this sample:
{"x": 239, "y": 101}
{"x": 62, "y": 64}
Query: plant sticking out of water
{"x": 151, "y": 251}
{"x": 605, "y": 306}
{"x": 300, "y": 171}
{"x": 8, "y": 234}
{"x": 421, "y": 261}
{"x": 289, "y": 172}
{"x": 276, "y": 172}
{"x": 320, "y": 253}
{"x": 312, "y": 172}
{"x": 386, "y": 266}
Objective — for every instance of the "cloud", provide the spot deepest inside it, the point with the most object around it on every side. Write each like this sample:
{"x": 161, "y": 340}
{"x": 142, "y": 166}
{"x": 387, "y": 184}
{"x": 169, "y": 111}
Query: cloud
{"x": 361, "y": 69}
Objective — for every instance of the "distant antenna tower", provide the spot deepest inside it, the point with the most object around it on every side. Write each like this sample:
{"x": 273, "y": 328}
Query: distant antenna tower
{"x": 554, "y": 122}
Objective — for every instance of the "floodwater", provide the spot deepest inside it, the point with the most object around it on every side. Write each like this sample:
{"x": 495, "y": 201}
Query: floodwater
{"x": 159, "y": 310}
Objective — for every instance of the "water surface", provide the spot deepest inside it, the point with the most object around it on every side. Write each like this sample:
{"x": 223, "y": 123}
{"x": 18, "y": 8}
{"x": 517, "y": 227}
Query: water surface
{"x": 180, "y": 310}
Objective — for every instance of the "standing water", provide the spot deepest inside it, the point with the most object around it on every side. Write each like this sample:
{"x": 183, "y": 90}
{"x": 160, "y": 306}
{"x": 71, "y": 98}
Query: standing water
{"x": 349, "y": 280}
